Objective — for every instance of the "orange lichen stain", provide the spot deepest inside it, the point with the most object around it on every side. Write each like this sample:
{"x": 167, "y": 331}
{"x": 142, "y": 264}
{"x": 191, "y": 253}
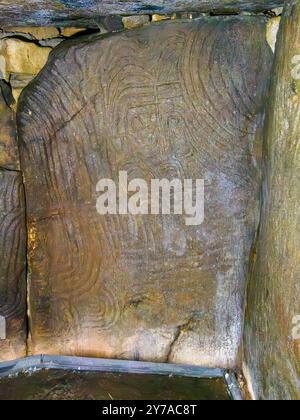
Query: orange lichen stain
{"x": 32, "y": 236}
{"x": 59, "y": 5}
{"x": 254, "y": 256}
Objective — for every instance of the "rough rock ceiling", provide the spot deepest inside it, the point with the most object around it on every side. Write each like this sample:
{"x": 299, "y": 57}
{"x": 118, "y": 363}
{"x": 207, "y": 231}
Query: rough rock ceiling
{"x": 82, "y": 12}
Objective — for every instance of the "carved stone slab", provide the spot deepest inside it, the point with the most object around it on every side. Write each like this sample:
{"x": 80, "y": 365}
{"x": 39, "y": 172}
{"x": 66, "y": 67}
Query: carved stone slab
{"x": 9, "y": 154}
{"x": 175, "y": 99}
{"x": 12, "y": 267}
{"x": 86, "y": 12}
{"x": 272, "y": 335}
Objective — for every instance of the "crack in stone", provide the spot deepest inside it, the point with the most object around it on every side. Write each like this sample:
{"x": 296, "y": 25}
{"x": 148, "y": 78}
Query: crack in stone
{"x": 180, "y": 329}
{"x": 3, "y": 168}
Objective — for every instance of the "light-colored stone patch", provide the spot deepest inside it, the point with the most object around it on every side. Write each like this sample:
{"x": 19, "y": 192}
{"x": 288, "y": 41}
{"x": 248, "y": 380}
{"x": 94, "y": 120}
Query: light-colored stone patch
{"x": 278, "y": 11}
{"x": 272, "y": 30}
{"x": 67, "y": 32}
{"x": 20, "y": 62}
{"x": 37, "y": 32}
{"x": 131, "y": 22}
{"x": 159, "y": 18}
{"x": 2, "y": 67}
{"x": 21, "y": 57}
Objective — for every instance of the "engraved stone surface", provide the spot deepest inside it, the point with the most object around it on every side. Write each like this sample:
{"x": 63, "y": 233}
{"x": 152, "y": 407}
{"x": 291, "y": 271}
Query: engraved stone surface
{"x": 9, "y": 154}
{"x": 174, "y": 99}
{"x": 86, "y": 12}
{"x": 272, "y": 334}
{"x": 12, "y": 267}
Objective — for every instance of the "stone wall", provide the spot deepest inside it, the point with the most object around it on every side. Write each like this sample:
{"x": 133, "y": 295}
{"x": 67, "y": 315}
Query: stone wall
{"x": 272, "y": 340}
{"x": 156, "y": 291}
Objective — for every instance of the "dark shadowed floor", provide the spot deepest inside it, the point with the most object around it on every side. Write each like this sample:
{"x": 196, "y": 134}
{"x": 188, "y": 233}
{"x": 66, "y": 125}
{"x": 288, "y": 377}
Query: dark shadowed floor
{"x": 62, "y": 385}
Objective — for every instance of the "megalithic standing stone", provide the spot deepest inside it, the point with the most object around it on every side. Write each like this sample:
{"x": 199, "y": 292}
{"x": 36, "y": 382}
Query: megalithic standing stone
{"x": 12, "y": 266}
{"x": 172, "y": 100}
{"x": 272, "y": 335}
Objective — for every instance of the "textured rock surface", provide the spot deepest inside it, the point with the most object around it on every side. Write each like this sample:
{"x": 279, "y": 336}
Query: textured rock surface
{"x": 175, "y": 99}
{"x": 9, "y": 154}
{"x": 13, "y": 265}
{"x": 22, "y": 57}
{"x": 272, "y": 350}
{"x": 132, "y": 22}
{"x": 86, "y": 12}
